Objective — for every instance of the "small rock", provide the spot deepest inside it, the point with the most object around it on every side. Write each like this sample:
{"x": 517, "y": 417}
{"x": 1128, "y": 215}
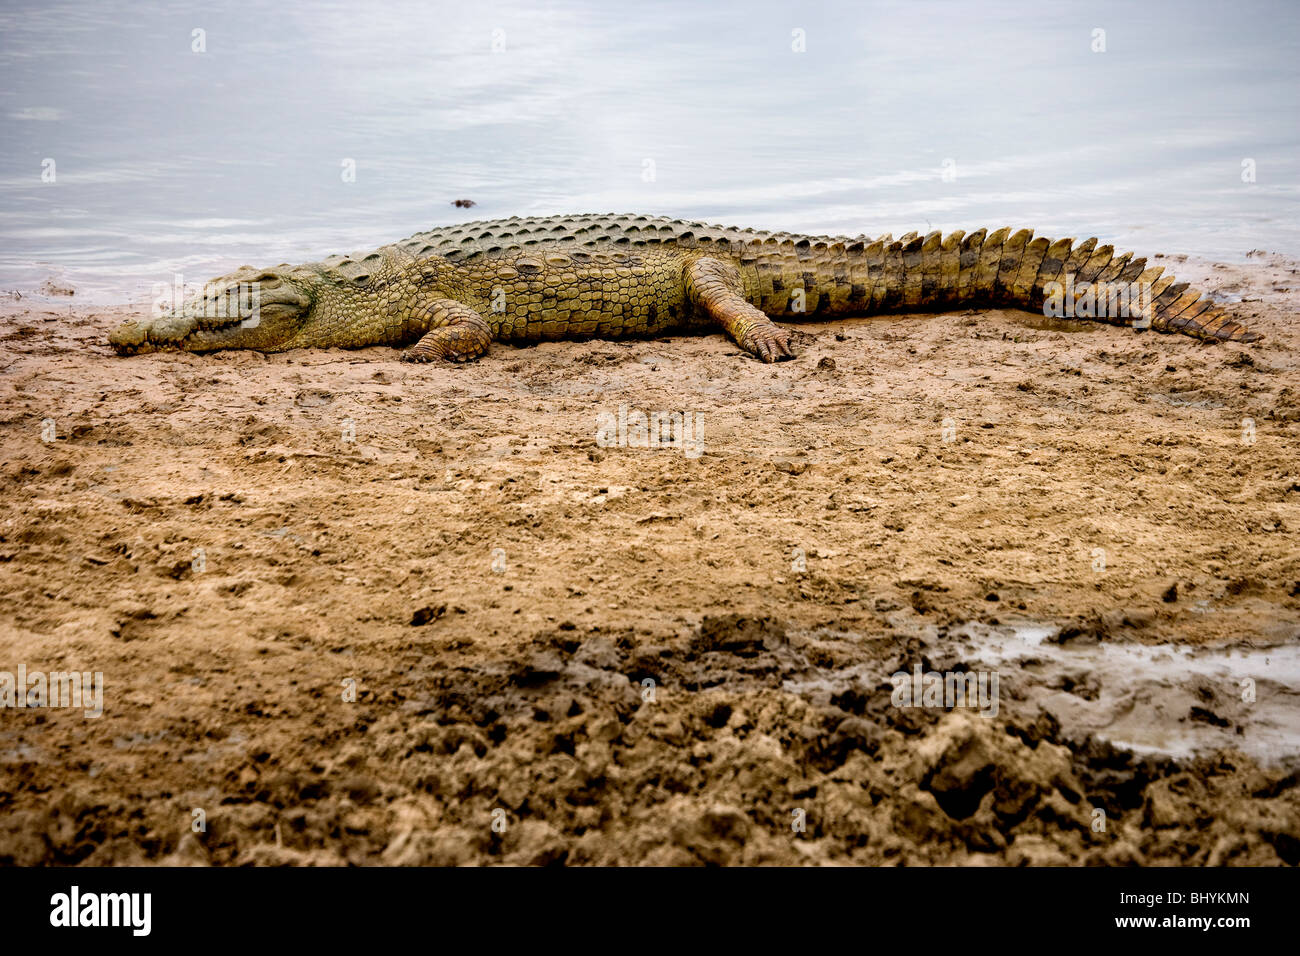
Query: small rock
{"x": 427, "y": 614}
{"x": 854, "y": 734}
{"x": 961, "y": 774}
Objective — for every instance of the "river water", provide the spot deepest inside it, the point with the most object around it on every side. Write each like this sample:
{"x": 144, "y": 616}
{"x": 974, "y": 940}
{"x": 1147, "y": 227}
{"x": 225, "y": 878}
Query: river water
{"x": 138, "y": 142}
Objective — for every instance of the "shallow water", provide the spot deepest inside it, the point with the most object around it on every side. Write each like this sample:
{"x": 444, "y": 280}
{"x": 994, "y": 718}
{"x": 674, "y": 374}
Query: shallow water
{"x": 1160, "y": 699}
{"x": 168, "y": 160}
{"x": 1168, "y": 700}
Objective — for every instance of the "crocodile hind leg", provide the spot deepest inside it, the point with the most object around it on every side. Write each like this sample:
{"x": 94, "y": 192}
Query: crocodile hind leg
{"x": 456, "y": 334}
{"x": 714, "y": 287}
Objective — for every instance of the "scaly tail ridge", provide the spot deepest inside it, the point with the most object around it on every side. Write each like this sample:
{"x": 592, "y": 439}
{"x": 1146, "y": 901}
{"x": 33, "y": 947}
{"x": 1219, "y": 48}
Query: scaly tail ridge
{"x": 935, "y": 272}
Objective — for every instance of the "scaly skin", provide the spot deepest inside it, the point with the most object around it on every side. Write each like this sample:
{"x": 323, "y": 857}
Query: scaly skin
{"x": 450, "y": 292}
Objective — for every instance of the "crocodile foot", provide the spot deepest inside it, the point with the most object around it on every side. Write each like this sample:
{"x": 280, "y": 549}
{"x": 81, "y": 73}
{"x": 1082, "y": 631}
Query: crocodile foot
{"x": 463, "y": 336}
{"x": 769, "y": 342}
{"x": 715, "y": 288}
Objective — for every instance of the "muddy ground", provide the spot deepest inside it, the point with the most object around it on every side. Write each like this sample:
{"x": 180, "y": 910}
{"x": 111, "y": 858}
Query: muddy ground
{"x": 569, "y": 653}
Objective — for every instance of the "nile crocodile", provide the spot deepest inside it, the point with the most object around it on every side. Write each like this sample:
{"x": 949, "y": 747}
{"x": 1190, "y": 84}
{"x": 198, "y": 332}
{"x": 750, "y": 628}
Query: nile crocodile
{"x": 450, "y": 292}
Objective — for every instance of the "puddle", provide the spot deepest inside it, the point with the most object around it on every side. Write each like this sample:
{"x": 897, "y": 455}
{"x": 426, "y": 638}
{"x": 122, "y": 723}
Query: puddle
{"x": 1165, "y": 699}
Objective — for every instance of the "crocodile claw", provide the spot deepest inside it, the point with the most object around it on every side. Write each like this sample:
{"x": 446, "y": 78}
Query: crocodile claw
{"x": 770, "y": 343}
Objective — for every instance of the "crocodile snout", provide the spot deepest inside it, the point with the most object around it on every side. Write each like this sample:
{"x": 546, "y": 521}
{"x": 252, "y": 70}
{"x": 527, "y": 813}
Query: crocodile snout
{"x": 134, "y": 336}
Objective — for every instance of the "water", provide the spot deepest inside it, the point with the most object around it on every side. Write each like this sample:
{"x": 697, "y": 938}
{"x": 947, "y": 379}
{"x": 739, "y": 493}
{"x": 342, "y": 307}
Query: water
{"x": 1169, "y": 700}
{"x": 1145, "y": 698}
{"x": 171, "y": 160}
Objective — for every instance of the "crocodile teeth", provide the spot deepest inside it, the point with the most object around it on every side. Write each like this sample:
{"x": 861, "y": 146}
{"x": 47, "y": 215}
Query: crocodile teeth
{"x": 171, "y": 328}
{"x": 128, "y": 336}
{"x": 211, "y": 323}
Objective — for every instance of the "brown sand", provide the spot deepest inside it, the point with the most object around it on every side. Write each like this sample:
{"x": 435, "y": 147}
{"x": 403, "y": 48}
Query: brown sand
{"x": 204, "y": 532}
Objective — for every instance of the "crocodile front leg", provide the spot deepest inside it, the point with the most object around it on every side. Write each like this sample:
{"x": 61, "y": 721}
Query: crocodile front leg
{"x": 456, "y": 333}
{"x": 714, "y": 286}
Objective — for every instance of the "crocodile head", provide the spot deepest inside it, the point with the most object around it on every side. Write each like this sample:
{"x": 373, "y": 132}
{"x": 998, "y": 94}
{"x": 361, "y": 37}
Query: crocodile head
{"x": 265, "y": 310}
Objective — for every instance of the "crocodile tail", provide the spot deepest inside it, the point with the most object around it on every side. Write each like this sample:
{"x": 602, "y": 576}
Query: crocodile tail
{"x": 1060, "y": 278}
{"x": 934, "y": 272}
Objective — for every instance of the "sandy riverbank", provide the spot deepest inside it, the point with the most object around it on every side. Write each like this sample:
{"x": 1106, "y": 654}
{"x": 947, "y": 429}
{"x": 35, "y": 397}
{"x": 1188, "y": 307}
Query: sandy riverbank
{"x": 231, "y": 538}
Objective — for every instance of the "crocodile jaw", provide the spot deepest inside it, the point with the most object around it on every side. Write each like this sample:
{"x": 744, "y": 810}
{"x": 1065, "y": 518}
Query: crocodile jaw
{"x": 182, "y": 333}
{"x": 263, "y": 312}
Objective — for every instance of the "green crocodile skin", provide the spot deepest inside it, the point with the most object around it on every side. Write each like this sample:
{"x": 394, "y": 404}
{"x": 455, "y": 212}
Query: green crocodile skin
{"x": 450, "y": 291}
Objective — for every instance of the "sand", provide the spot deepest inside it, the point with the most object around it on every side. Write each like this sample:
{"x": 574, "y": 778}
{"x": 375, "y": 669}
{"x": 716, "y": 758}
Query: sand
{"x": 349, "y": 610}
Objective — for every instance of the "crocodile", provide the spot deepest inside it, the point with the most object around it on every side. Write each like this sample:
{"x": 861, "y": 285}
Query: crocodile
{"x": 447, "y": 294}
